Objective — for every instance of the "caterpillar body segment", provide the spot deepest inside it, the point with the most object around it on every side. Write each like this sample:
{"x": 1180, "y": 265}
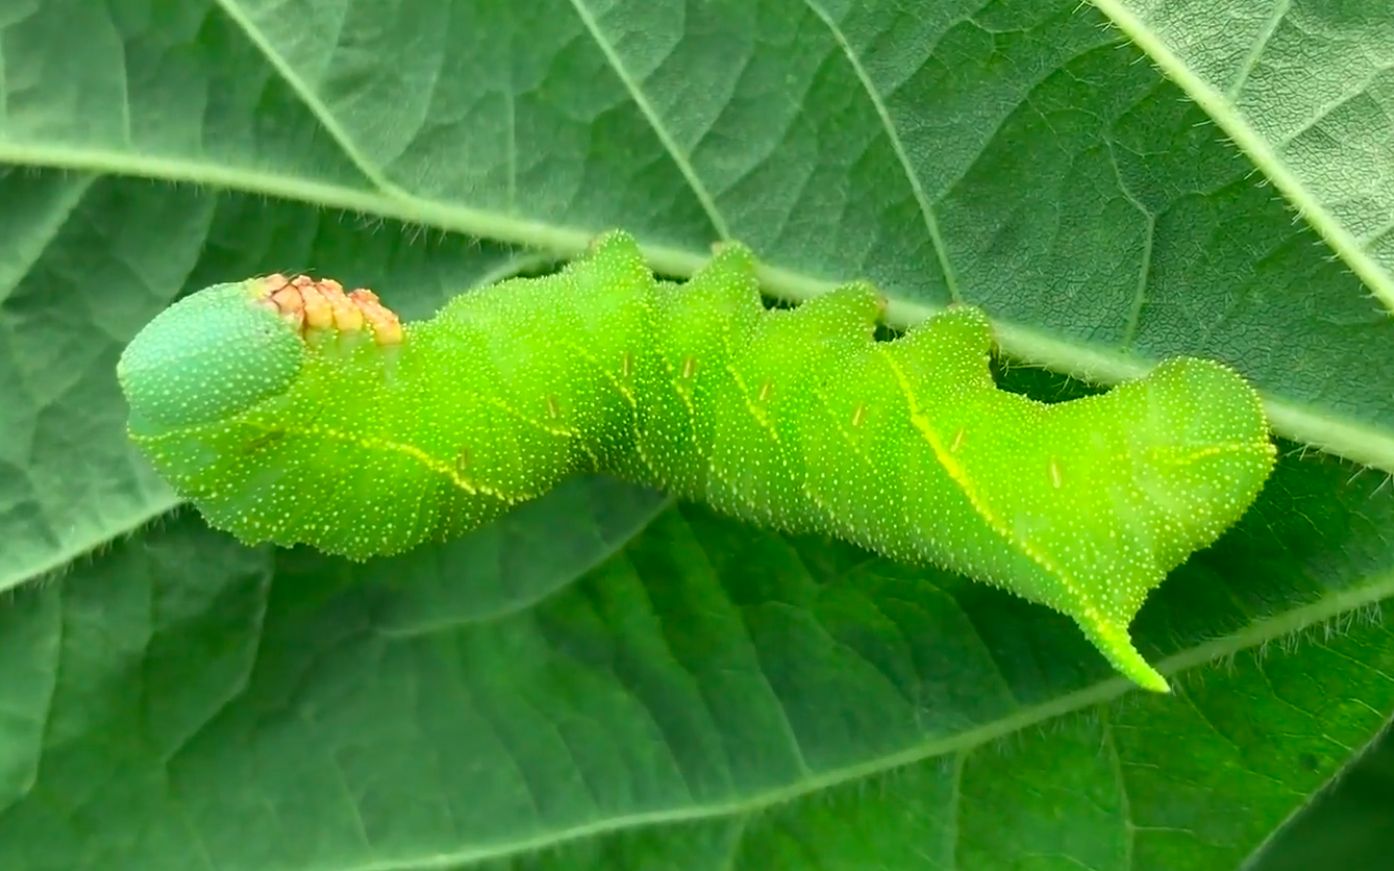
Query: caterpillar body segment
{"x": 292, "y": 412}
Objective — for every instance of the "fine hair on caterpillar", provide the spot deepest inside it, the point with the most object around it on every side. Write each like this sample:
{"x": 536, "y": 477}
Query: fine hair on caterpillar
{"x": 384, "y": 435}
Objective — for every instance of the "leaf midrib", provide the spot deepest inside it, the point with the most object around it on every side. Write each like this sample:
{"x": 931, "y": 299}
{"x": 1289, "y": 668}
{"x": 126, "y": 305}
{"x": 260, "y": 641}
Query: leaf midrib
{"x": 1313, "y": 427}
{"x": 1350, "y": 439}
{"x": 1231, "y": 120}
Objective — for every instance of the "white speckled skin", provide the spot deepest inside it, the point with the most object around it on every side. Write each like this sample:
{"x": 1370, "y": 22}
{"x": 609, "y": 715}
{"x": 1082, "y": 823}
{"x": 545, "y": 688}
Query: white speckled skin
{"x": 364, "y": 444}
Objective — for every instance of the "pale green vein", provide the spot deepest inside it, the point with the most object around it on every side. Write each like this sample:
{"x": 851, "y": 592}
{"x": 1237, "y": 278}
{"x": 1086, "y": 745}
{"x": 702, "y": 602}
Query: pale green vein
{"x": 737, "y": 840}
{"x": 233, "y": 9}
{"x": 1314, "y": 427}
{"x": 51, "y": 654}
{"x": 1318, "y": 429}
{"x": 618, "y": 540}
{"x": 1259, "y": 851}
{"x": 1144, "y": 271}
{"x": 24, "y": 252}
{"x": 641, "y": 100}
{"x": 1254, "y": 635}
{"x": 61, "y": 558}
{"x": 955, "y": 806}
{"x": 931, "y": 221}
{"x": 754, "y": 650}
{"x": 1229, "y": 119}
{"x": 1125, "y": 805}
{"x": 1270, "y": 27}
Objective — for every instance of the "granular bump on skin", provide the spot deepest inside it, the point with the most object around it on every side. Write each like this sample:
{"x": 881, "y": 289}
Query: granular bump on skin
{"x": 309, "y": 304}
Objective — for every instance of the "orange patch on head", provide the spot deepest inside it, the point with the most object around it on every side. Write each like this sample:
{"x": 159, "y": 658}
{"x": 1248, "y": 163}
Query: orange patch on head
{"x": 348, "y": 317}
{"x": 319, "y": 315}
{"x": 311, "y": 304}
{"x": 387, "y": 328}
{"x": 278, "y": 295}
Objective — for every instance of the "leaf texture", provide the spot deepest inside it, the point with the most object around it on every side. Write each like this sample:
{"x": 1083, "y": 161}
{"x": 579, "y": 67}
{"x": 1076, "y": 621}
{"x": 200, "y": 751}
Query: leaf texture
{"x": 608, "y": 681}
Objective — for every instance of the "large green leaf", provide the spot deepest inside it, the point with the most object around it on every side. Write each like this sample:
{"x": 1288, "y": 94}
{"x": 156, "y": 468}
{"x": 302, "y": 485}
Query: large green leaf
{"x": 603, "y": 681}
{"x": 708, "y": 697}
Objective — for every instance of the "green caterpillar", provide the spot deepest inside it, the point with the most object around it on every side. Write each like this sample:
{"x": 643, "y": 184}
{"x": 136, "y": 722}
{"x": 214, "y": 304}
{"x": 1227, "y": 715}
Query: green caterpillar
{"x": 291, "y": 412}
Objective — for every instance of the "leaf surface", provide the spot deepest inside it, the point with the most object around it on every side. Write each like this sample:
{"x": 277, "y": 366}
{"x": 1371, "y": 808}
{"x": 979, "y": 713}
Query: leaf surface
{"x": 605, "y": 680}
{"x": 709, "y": 696}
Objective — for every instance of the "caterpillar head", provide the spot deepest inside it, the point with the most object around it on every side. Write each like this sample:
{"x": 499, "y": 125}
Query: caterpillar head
{"x": 229, "y": 347}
